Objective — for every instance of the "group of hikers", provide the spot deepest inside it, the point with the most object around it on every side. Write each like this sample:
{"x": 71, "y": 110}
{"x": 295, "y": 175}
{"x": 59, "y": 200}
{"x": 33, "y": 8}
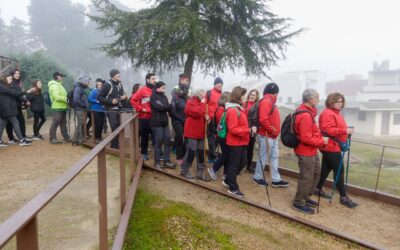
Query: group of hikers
{"x": 231, "y": 121}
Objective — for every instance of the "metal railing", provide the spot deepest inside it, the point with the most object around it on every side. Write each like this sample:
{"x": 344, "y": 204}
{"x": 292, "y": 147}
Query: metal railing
{"x": 24, "y": 223}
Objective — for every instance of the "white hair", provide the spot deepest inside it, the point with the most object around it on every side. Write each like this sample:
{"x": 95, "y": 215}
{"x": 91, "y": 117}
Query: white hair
{"x": 308, "y": 94}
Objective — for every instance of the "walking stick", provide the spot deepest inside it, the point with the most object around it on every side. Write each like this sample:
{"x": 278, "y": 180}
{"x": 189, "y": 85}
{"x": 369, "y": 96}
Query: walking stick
{"x": 319, "y": 198}
{"x": 259, "y": 158}
{"x": 337, "y": 176}
{"x": 348, "y": 161}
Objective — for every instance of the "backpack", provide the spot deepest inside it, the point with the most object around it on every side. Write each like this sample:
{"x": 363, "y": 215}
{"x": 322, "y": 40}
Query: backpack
{"x": 213, "y": 126}
{"x": 222, "y": 129}
{"x": 47, "y": 99}
{"x": 70, "y": 97}
{"x": 288, "y": 135}
{"x": 253, "y": 114}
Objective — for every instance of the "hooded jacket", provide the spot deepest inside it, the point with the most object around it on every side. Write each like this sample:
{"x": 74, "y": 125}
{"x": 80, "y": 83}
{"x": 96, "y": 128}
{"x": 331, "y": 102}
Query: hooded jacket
{"x": 9, "y": 99}
{"x": 332, "y": 124}
{"x": 269, "y": 123}
{"x": 212, "y": 102}
{"x": 95, "y": 104}
{"x": 195, "y": 112}
{"x": 160, "y": 107}
{"x": 141, "y": 100}
{"x": 58, "y": 96}
{"x": 37, "y": 102}
{"x": 109, "y": 91}
{"x": 307, "y": 132}
{"x": 80, "y": 98}
{"x": 237, "y": 124}
{"x": 178, "y": 104}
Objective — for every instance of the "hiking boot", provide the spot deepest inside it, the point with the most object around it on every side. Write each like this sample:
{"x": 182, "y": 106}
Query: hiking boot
{"x": 260, "y": 182}
{"x": 2, "y": 144}
{"x": 12, "y": 141}
{"x": 187, "y": 174}
{"x": 169, "y": 165}
{"x": 322, "y": 194}
{"x": 66, "y": 140}
{"x": 224, "y": 183}
{"x": 201, "y": 176}
{"x": 55, "y": 141}
{"x": 24, "y": 142}
{"x": 278, "y": 184}
{"x": 346, "y": 201}
{"x": 303, "y": 209}
{"x": 311, "y": 203}
{"x": 76, "y": 143}
{"x": 212, "y": 174}
{"x": 145, "y": 157}
{"x": 37, "y": 138}
{"x": 158, "y": 166}
{"x": 236, "y": 193}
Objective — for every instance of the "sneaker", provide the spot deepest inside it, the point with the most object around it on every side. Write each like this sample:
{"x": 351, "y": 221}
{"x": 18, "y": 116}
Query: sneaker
{"x": 260, "y": 182}
{"x": 75, "y": 143}
{"x": 24, "y": 142}
{"x": 170, "y": 165}
{"x": 225, "y": 184}
{"x": 322, "y": 194}
{"x": 346, "y": 201}
{"x": 66, "y": 140}
{"x": 145, "y": 157}
{"x": 28, "y": 139}
{"x": 187, "y": 175}
{"x": 212, "y": 174}
{"x": 201, "y": 176}
{"x": 2, "y": 144}
{"x": 158, "y": 166}
{"x": 55, "y": 141}
{"x": 12, "y": 141}
{"x": 37, "y": 138}
{"x": 224, "y": 177}
{"x": 303, "y": 209}
{"x": 41, "y": 137}
{"x": 236, "y": 192}
{"x": 277, "y": 184}
{"x": 311, "y": 203}
{"x": 179, "y": 161}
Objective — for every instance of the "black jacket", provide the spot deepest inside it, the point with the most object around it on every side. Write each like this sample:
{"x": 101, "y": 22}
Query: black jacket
{"x": 37, "y": 102}
{"x": 178, "y": 104}
{"x": 159, "y": 109}
{"x": 9, "y": 99}
{"x": 108, "y": 92}
{"x": 80, "y": 98}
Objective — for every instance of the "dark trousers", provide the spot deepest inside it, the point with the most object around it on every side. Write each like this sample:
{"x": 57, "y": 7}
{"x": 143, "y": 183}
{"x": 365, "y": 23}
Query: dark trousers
{"x": 195, "y": 148}
{"x": 98, "y": 124}
{"x": 211, "y": 137}
{"x": 114, "y": 120}
{"x": 309, "y": 175}
{"x": 38, "y": 120}
{"x": 144, "y": 131}
{"x": 250, "y": 149}
{"x": 223, "y": 159}
{"x": 237, "y": 159}
{"x": 179, "y": 140}
{"x": 21, "y": 123}
{"x": 162, "y": 136}
{"x": 331, "y": 161}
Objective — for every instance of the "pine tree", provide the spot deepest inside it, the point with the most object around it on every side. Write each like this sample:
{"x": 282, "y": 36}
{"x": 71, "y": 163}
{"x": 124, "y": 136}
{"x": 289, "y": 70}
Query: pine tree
{"x": 211, "y": 35}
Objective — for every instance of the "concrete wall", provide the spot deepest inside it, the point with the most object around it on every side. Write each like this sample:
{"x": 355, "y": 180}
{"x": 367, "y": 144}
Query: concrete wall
{"x": 370, "y": 126}
{"x": 394, "y": 129}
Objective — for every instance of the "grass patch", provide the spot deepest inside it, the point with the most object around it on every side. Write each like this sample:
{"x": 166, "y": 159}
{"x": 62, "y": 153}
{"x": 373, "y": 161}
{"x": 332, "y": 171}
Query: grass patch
{"x": 160, "y": 224}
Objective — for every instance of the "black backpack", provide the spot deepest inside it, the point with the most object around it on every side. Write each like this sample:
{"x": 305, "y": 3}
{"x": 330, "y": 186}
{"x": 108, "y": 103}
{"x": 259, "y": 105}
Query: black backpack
{"x": 70, "y": 97}
{"x": 253, "y": 114}
{"x": 288, "y": 135}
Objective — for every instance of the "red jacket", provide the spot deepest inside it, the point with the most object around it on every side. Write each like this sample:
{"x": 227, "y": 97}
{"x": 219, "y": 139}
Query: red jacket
{"x": 308, "y": 132}
{"x": 269, "y": 123}
{"x": 238, "y": 127}
{"x": 141, "y": 100}
{"x": 218, "y": 114}
{"x": 195, "y": 120}
{"x": 333, "y": 124}
{"x": 213, "y": 102}
{"x": 247, "y": 106}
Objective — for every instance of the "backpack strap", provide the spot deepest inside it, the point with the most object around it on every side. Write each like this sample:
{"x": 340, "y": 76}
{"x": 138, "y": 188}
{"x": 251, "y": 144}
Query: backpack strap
{"x": 111, "y": 89}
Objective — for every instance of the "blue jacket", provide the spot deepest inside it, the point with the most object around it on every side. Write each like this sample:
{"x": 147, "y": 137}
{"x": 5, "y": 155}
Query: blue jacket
{"x": 96, "y": 105}
{"x": 80, "y": 99}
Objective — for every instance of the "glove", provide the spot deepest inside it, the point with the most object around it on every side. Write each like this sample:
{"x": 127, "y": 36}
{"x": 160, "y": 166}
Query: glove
{"x": 344, "y": 146}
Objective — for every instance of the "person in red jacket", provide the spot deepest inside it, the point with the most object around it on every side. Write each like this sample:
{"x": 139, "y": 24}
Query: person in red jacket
{"x": 212, "y": 97}
{"x": 252, "y": 98}
{"x": 269, "y": 123}
{"x": 310, "y": 139}
{"x": 237, "y": 138}
{"x": 140, "y": 101}
{"x": 334, "y": 126}
{"x": 194, "y": 132}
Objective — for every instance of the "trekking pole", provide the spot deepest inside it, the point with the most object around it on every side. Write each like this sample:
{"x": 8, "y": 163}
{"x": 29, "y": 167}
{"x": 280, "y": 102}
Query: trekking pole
{"x": 348, "y": 160}
{"x": 259, "y": 158}
{"x": 337, "y": 176}
{"x": 319, "y": 198}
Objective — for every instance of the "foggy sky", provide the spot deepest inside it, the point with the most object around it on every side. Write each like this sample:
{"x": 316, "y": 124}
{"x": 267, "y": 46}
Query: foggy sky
{"x": 343, "y": 37}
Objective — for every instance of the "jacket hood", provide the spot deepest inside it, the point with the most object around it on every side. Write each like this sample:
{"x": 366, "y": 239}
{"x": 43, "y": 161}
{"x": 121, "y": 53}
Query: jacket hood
{"x": 82, "y": 85}
{"x": 232, "y": 105}
{"x": 303, "y": 106}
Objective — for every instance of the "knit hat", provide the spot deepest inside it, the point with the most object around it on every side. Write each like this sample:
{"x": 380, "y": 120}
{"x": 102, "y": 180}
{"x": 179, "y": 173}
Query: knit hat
{"x": 160, "y": 84}
{"x": 271, "y": 88}
{"x": 113, "y": 72}
{"x": 84, "y": 79}
{"x": 218, "y": 80}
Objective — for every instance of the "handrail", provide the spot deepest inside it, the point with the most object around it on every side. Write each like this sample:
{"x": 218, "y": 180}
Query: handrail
{"x": 28, "y": 212}
{"x": 375, "y": 144}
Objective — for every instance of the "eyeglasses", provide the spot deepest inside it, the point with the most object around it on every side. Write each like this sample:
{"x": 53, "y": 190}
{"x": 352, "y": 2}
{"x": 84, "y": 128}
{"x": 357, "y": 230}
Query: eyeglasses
{"x": 339, "y": 102}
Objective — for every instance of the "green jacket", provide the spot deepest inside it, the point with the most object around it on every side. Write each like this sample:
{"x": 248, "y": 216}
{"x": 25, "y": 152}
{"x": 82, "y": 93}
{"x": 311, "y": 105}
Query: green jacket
{"x": 58, "y": 96}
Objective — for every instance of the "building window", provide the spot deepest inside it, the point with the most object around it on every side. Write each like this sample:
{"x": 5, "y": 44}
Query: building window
{"x": 396, "y": 119}
{"x": 362, "y": 115}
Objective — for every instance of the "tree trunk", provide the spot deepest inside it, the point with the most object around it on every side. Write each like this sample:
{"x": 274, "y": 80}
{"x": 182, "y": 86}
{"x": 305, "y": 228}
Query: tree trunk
{"x": 189, "y": 65}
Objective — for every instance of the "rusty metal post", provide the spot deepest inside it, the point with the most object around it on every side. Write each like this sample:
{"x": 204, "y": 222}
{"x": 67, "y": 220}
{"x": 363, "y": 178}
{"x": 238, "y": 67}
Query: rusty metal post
{"x": 84, "y": 118}
{"x": 102, "y": 185}
{"x": 132, "y": 147}
{"x": 379, "y": 170}
{"x": 93, "y": 128}
{"x": 27, "y": 238}
{"x": 122, "y": 175}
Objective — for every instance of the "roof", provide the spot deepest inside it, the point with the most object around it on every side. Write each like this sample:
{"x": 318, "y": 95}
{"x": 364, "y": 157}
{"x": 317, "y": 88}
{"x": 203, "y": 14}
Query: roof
{"x": 380, "y": 106}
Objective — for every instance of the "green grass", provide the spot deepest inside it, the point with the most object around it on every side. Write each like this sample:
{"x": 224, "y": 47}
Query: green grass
{"x": 160, "y": 224}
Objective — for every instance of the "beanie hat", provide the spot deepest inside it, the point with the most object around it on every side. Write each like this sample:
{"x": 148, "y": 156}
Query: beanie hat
{"x": 218, "y": 80}
{"x": 113, "y": 72}
{"x": 160, "y": 84}
{"x": 271, "y": 88}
